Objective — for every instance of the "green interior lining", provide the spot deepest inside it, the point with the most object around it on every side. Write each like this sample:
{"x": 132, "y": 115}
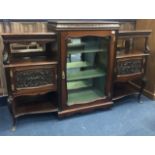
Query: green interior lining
{"x": 84, "y": 96}
{"x": 85, "y": 74}
{"x": 78, "y": 85}
{"x": 78, "y": 64}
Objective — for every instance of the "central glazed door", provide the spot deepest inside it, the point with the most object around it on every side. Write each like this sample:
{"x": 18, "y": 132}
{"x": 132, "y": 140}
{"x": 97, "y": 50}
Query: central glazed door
{"x": 86, "y": 66}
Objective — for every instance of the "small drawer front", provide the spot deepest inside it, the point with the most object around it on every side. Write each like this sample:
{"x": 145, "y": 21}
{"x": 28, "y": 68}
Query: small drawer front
{"x": 34, "y": 78}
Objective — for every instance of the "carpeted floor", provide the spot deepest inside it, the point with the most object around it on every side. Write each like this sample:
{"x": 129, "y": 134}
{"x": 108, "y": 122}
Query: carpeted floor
{"x": 125, "y": 118}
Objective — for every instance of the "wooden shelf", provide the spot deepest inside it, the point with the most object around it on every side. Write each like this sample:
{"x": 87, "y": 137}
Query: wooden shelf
{"x": 78, "y": 64}
{"x": 30, "y": 34}
{"x": 122, "y": 90}
{"x": 45, "y": 107}
{"x": 84, "y": 96}
{"x": 35, "y": 106}
{"x": 85, "y": 74}
{"x": 129, "y": 54}
{"x": 31, "y": 91}
{"x": 24, "y": 37}
{"x": 86, "y": 51}
{"x": 78, "y": 85}
{"x": 31, "y": 62}
{"x": 133, "y": 33}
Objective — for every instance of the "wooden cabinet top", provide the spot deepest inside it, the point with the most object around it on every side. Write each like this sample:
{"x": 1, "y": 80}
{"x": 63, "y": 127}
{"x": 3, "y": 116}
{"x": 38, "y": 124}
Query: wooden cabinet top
{"x": 29, "y": 34}
{"x": 46, "y": 36}
{"x": 82, "y": 25}
{"x": 134, "y": 33}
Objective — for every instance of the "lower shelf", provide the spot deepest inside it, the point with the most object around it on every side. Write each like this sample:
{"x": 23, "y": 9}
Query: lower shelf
{"x": 84, "y": 96}
{"x": 33, "y": 105}
{"x": 123, "y": 89}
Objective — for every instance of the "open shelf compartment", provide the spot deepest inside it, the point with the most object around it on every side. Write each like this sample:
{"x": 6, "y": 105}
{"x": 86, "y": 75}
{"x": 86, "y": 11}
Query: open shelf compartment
{"x": 25, "y": 105}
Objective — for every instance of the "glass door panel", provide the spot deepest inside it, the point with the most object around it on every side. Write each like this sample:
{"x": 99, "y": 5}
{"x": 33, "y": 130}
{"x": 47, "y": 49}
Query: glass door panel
{"x": 86, "y": 69}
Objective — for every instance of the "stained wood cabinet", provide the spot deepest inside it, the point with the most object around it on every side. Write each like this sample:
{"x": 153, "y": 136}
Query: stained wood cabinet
{"x": 86, "y": 62}
{"x": 78, "y": 66}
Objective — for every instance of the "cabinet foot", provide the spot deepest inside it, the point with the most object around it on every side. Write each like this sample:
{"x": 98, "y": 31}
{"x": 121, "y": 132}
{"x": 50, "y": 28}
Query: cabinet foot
{"x": 140, "y": 101}
{"x": 14, "y": 124}
{"x": 13, "y": 128}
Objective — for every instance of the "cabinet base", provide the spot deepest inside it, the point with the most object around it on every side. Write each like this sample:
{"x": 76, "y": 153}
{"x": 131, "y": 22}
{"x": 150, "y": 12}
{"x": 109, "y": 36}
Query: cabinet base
{"x": 82, "y": 109}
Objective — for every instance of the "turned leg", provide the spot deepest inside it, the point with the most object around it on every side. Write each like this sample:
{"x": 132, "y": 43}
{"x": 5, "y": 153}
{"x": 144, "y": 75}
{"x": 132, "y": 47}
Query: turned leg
{"x": 143, "y": 83}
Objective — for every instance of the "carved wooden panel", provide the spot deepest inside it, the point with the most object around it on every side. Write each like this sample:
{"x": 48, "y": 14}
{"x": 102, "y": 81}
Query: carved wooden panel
{"x": 33, "y": 77}
{"x": 129, "y": 66}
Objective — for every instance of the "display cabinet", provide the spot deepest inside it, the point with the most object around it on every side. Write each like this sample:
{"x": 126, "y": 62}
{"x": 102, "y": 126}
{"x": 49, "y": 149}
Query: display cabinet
{"x": 86, "y": 61}
{"x": 131, "y": 62}
{"x": 78, "y": 66}
{"x": 30, "y": 62}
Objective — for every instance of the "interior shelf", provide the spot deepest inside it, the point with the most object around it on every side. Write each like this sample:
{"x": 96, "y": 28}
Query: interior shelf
{"x": 84, "y": 96}
{"x": 76, "y": 44}
{"x": 86, "y": 51}
{"x": 78, "y": 64}
{"x": 78, "y": 85}
{"x": 85, "y": 74}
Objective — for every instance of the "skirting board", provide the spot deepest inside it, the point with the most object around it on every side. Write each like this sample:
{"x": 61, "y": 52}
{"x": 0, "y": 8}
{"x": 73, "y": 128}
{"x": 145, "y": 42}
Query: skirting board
{"x": 146, "y": 92}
